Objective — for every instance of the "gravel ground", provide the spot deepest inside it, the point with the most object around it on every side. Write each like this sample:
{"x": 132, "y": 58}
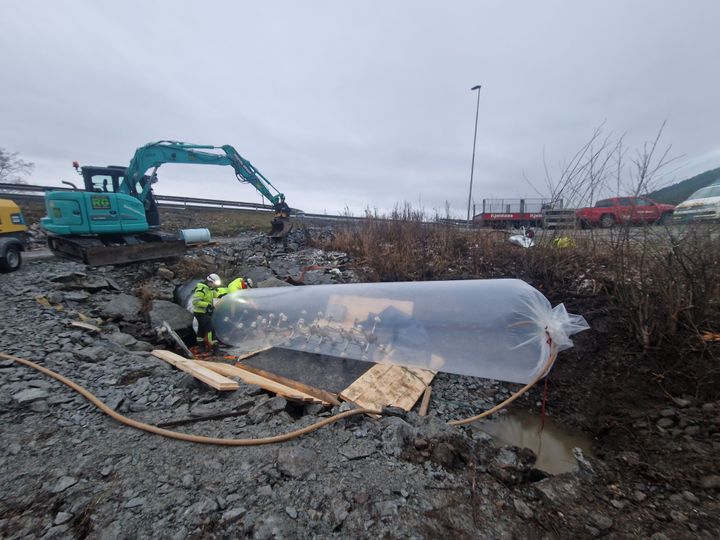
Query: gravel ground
{"x": 69, "y": 471}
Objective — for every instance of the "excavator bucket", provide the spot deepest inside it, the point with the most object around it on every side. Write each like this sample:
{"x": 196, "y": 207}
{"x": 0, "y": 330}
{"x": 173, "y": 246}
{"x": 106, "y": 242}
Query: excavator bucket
{"x": 281, "y": 227}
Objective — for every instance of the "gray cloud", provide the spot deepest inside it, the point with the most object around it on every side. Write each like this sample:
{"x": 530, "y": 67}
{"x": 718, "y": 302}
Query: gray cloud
{"x": 356, "y": 105}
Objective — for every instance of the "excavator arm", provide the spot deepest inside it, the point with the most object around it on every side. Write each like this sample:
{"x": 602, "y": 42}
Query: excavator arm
{"x": 153, "y": 155}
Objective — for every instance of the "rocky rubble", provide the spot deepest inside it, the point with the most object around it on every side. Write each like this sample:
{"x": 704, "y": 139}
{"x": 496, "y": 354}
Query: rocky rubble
{"x": 70, "y": 471}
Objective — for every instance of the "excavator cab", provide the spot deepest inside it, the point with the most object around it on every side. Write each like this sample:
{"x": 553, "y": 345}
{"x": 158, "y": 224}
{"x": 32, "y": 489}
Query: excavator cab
{"x": 108, "y": 180}
{"x": 103, "y": 224}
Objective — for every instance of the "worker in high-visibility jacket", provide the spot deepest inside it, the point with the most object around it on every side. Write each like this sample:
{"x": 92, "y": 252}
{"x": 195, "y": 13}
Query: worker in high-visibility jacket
{"x": 236, "y": 284}
{"x": 203, "y": 300}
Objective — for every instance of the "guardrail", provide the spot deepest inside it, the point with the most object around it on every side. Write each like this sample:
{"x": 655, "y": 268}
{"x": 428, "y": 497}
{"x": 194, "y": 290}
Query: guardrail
{"x": 32, "y": 192}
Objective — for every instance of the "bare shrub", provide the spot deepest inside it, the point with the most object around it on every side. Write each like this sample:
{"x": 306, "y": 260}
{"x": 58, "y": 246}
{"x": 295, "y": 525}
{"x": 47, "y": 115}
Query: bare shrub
{"x": 666, "y": 282}
{"x": 402, "y": 246}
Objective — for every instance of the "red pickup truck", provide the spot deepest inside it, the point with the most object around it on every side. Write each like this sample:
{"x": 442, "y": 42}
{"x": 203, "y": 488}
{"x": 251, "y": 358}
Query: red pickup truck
{"x": 617, "y": 210}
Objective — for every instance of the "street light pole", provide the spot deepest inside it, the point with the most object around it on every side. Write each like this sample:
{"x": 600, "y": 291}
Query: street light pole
{"x": 472, "y": 167}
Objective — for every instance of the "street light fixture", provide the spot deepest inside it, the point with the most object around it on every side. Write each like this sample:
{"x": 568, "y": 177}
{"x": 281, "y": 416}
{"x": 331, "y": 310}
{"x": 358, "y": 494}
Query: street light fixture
{"x": 472, "y": 167}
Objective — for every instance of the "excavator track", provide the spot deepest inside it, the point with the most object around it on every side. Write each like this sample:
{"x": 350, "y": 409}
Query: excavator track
{"x": 116, "y": 249}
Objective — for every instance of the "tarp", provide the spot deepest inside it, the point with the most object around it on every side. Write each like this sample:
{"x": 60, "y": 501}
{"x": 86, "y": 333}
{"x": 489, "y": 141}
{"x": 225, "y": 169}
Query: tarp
{"x": 497, "y": 329}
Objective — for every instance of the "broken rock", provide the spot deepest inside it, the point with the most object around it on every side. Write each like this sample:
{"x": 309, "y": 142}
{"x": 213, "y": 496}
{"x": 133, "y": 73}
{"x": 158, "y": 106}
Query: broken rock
{"x": 711, "y": 481}
{"x": 62, "y": 484}
{"x": 559, "y": 489}
{"x": 93, "y": 354}
{"x": 267, "y": 408}
{"x": 358, "y": 449}
{"x": 82, "y": 281}
{"x": 76, "y": 296}
{"x": 30, "y": 395}
{"x": 166, "y": 273}
{"x": 522, "y": 508}
{"x": 177, "y": 317}
{"x": 273, "y": 282}
{"x": 122, "y": 306}
{"x": 122, "y": 339}
{"x": 296, "y": 461}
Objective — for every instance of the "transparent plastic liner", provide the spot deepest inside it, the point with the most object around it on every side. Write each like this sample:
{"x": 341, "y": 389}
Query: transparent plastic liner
{"x": 494, "y": 328}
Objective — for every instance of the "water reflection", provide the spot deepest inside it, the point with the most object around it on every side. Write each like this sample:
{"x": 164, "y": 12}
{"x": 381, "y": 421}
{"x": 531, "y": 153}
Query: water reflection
{"x": 553, "y": 445}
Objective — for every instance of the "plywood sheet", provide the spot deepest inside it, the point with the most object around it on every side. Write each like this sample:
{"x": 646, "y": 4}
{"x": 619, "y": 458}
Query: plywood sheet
{"x": 390, "y": 385}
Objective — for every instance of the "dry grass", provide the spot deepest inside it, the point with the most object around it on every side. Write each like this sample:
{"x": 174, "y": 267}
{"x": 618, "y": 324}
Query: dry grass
{"x": 220, "y": 222}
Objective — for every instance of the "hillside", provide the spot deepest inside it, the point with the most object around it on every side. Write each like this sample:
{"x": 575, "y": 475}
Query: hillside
{"x": 677, "y": 193}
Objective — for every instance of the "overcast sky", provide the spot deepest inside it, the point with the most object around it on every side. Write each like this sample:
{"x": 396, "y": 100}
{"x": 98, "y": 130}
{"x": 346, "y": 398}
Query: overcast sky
{"x": 357, "y": 104}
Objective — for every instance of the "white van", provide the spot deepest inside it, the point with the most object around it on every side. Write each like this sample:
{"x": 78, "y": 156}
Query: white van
{"x": 703, "y": 205}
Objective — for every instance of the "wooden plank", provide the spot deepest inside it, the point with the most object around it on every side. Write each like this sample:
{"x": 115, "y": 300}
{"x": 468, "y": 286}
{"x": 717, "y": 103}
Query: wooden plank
{"x": 327, "y": 397}
{"x": 85, "y": 326}
{"x": 388, "y": 385}
{"x": 209, "y": 377}
{"x": 425, "y": 404}
{"x": 251, "y": 354}
{"x": 267, "y": 384}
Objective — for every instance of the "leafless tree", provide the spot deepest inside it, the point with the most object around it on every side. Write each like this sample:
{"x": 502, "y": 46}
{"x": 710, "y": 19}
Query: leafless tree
{"x": 585, "y": 174}
{"x": 12, "y": 168}
{"x": 599, "y": 168}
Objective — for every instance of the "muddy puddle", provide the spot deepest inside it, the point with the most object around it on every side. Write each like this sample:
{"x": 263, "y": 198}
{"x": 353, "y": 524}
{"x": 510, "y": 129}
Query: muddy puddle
{"x": 553, "y": 444}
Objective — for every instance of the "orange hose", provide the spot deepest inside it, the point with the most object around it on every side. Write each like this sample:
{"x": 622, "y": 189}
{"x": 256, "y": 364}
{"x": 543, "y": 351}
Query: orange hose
{"x": 263, "y": 440}
{"x": 513, "y": 397}
{"x": 176, "y": 434}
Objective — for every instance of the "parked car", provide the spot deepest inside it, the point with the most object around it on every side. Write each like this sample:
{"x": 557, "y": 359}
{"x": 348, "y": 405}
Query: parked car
{"x": 616, "y": 210}
{"x": 13, "y": 236}
{"x": 703, "y": 205}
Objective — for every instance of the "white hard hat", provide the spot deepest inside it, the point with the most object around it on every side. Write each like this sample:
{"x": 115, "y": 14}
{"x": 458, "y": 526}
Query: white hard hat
{"x": 214, "y": 279}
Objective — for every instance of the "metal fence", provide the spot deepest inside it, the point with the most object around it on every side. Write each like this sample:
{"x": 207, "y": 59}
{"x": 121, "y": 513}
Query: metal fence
{"x": 521, "y": 206}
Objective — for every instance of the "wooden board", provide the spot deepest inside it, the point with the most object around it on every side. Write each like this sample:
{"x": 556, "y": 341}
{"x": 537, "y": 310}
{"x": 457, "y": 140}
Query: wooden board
{"x": 209, "y": 377}
{"x": 425, "y": 404}
{"x": 388, "y": 385}
{"x": 85, "y": 326}
{"x": 267, "y": 384}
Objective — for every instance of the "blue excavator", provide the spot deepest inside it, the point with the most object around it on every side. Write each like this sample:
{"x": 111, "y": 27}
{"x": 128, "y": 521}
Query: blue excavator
{"x": 115, "y": 219}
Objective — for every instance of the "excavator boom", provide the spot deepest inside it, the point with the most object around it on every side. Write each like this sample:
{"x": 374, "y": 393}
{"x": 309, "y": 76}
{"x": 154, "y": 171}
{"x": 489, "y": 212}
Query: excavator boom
{"x": 153, "y": 155}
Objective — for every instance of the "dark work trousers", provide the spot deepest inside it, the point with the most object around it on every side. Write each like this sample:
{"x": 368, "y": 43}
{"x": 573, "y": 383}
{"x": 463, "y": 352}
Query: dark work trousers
{"x": 204, "y": 326}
